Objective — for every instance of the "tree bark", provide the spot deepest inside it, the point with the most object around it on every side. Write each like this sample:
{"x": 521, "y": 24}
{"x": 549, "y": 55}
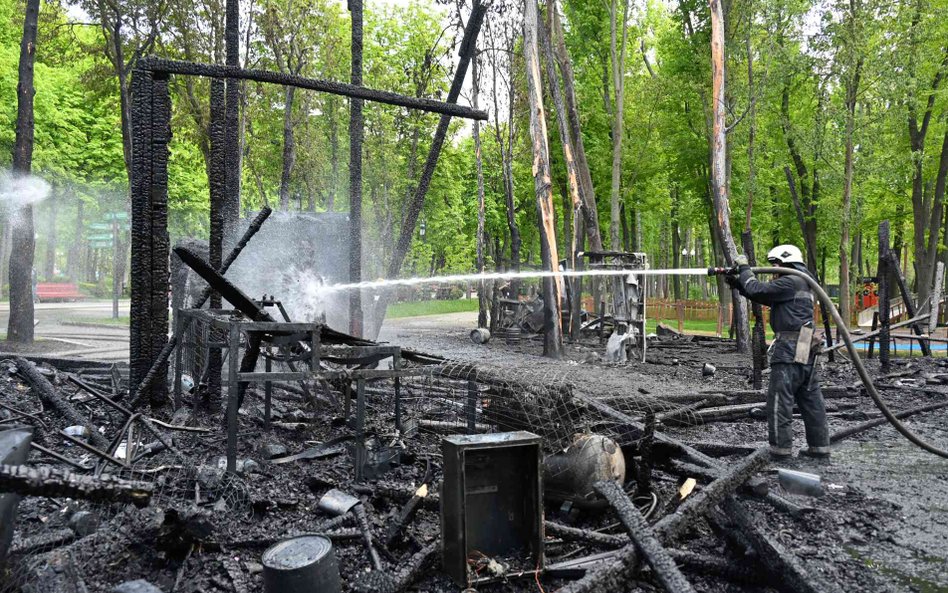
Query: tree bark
{"x": 289, "y": 148}
{"x": 506, "y": 157}
{"x": 587, "y": 191}
{"x": 355, "y": 173}
{"x": 618, "y": 86}
{"x": 572, "y": 175}
{"x": 845, "y": 285}
{"x": 482, "y": 296}
{"x": 553, "y": 333}
{"x": 720, "y": 199}
{"x": 20, "y": 325}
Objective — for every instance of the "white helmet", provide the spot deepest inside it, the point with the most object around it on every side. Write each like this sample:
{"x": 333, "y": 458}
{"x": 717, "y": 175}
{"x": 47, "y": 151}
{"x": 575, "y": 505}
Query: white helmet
{"x": 785, "y": 254}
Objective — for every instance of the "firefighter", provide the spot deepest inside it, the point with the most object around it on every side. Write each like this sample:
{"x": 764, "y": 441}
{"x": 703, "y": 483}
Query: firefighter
{"x": 793, "y": 354}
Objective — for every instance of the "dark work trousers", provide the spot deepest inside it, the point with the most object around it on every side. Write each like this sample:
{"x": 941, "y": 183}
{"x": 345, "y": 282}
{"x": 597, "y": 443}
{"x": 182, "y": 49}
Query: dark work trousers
{"x": 789, "y": 383}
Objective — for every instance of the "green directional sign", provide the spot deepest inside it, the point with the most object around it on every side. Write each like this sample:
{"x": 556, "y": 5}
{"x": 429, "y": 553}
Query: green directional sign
{"x": 116, "y": 216}
{"x": 101, "y": 237}
{"x": 100, "y": 244}
{"x": 99, "y": 226}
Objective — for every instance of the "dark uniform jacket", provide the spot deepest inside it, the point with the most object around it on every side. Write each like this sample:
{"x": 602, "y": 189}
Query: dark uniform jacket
{"x": 791, "y": 307}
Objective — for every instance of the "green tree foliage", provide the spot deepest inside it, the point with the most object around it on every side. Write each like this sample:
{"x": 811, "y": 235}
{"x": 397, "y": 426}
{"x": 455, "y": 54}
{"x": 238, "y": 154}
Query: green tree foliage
{"x": 801, "y": 53}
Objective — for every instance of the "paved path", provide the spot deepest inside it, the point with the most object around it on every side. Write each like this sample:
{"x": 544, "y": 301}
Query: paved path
{"x": 63, "y": 329}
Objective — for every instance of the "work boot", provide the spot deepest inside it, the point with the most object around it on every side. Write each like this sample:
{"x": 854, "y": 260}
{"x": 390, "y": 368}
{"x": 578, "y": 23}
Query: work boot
{"x": 780, "y": 452}
{"x": 822, "y": 453}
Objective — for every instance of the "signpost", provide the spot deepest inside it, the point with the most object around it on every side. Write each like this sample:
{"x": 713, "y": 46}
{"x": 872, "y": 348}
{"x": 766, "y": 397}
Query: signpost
{"x": 105, "y": 235}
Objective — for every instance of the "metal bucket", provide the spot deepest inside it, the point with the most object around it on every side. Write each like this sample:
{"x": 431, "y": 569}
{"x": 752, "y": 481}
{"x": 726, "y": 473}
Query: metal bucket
{"x": 304, "y": 564}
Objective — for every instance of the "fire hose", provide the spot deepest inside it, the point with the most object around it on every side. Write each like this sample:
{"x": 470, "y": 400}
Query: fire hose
{"x": 853, "y": 354}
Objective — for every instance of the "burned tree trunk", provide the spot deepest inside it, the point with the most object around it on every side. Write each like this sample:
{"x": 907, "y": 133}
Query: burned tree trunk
{"x": 553, "y": 333}
{"x": 572, "y": 177}
{"x": 482, "y": 296}
{"x": 719, "y": 187}
{"x": 20, "y": 325}
{"x": 617, "y": 52}
{"x": 587, "y": 193}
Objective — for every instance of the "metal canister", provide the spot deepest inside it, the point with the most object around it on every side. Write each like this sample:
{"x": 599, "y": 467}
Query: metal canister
{"x": 480, "y": 335}
{"x": 305, "y": 564}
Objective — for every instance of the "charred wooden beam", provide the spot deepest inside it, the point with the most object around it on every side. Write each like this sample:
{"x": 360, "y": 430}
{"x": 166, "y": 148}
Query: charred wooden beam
{"x": 787, "y": 572}
{"x": 160, "y": 65}
{"x": 50, "y": 398}
{"x": 613, "y": 575}
{"x": 584, "y": 535}
{"x": 645, "y": 540}
{"x": 59, "y": 483}
{"x": 848, "y": 432}
{"x": 43, "y": 541}
{"x": 712, "y": 565}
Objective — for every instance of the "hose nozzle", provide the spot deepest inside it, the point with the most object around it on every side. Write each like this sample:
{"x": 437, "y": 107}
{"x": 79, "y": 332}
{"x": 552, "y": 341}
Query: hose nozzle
{"x": 722, "y": 271}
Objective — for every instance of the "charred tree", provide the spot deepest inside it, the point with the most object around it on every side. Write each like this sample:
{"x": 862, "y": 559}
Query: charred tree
{"x": 20, "y": 325}
{"x": 553, "y": 333}
{"x": 587, "y": 192}
{"x": 482, "y": 296}
{"x": 573, "y": 205}
{"x": 719, "y": 186}
{"x": 617, "y": 54}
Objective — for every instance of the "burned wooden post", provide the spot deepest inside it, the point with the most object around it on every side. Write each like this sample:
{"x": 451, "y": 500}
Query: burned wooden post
{"x": 59, "y": 483}
{"x": 148, "y": 328}
{"x": 217, "y": 180}
{"x": 410, "y": 219}
{"x": 232, "y": 139}
{"x": 910, "y": 307}
{"x": 882, "y": 271}
{"x": 356, "y": 130}
{"x": 47, "y": 394}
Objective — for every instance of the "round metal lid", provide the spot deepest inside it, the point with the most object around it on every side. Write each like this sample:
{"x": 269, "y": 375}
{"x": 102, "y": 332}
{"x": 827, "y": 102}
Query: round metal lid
{"x": 297, "y": 552}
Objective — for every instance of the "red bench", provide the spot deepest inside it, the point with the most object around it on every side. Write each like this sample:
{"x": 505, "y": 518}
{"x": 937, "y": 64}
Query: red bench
{"x": 57, "y": 291}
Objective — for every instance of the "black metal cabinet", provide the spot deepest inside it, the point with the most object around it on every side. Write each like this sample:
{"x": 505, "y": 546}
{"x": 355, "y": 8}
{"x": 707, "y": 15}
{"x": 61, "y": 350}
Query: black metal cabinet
{"x": 491, "y": 500}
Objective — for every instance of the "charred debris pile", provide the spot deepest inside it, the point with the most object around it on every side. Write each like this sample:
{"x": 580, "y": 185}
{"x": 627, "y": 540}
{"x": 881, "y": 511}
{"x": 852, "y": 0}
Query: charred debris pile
{"x": 387, "y": 470}
{"x": 288, "y": 456}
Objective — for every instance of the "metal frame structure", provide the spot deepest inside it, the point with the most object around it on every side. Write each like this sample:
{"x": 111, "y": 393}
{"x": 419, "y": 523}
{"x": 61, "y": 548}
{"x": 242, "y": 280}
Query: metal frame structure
{"x": 281, "y": 334}
{"x": 632, "y": 262}
{"x": 151, "y": 125}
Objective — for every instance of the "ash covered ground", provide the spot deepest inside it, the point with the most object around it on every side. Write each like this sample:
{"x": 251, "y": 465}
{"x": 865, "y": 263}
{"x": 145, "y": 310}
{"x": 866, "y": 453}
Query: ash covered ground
{"x": 882, "y": 524}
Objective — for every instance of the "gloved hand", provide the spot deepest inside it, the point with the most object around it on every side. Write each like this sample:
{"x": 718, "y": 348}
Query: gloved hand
{"x": 741, "y": 261}
{"x": 733, "y": 281}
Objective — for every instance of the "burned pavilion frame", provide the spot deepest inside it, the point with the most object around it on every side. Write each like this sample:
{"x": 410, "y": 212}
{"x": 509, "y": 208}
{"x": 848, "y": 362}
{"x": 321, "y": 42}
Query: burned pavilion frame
{"x": 151, "y": 125}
